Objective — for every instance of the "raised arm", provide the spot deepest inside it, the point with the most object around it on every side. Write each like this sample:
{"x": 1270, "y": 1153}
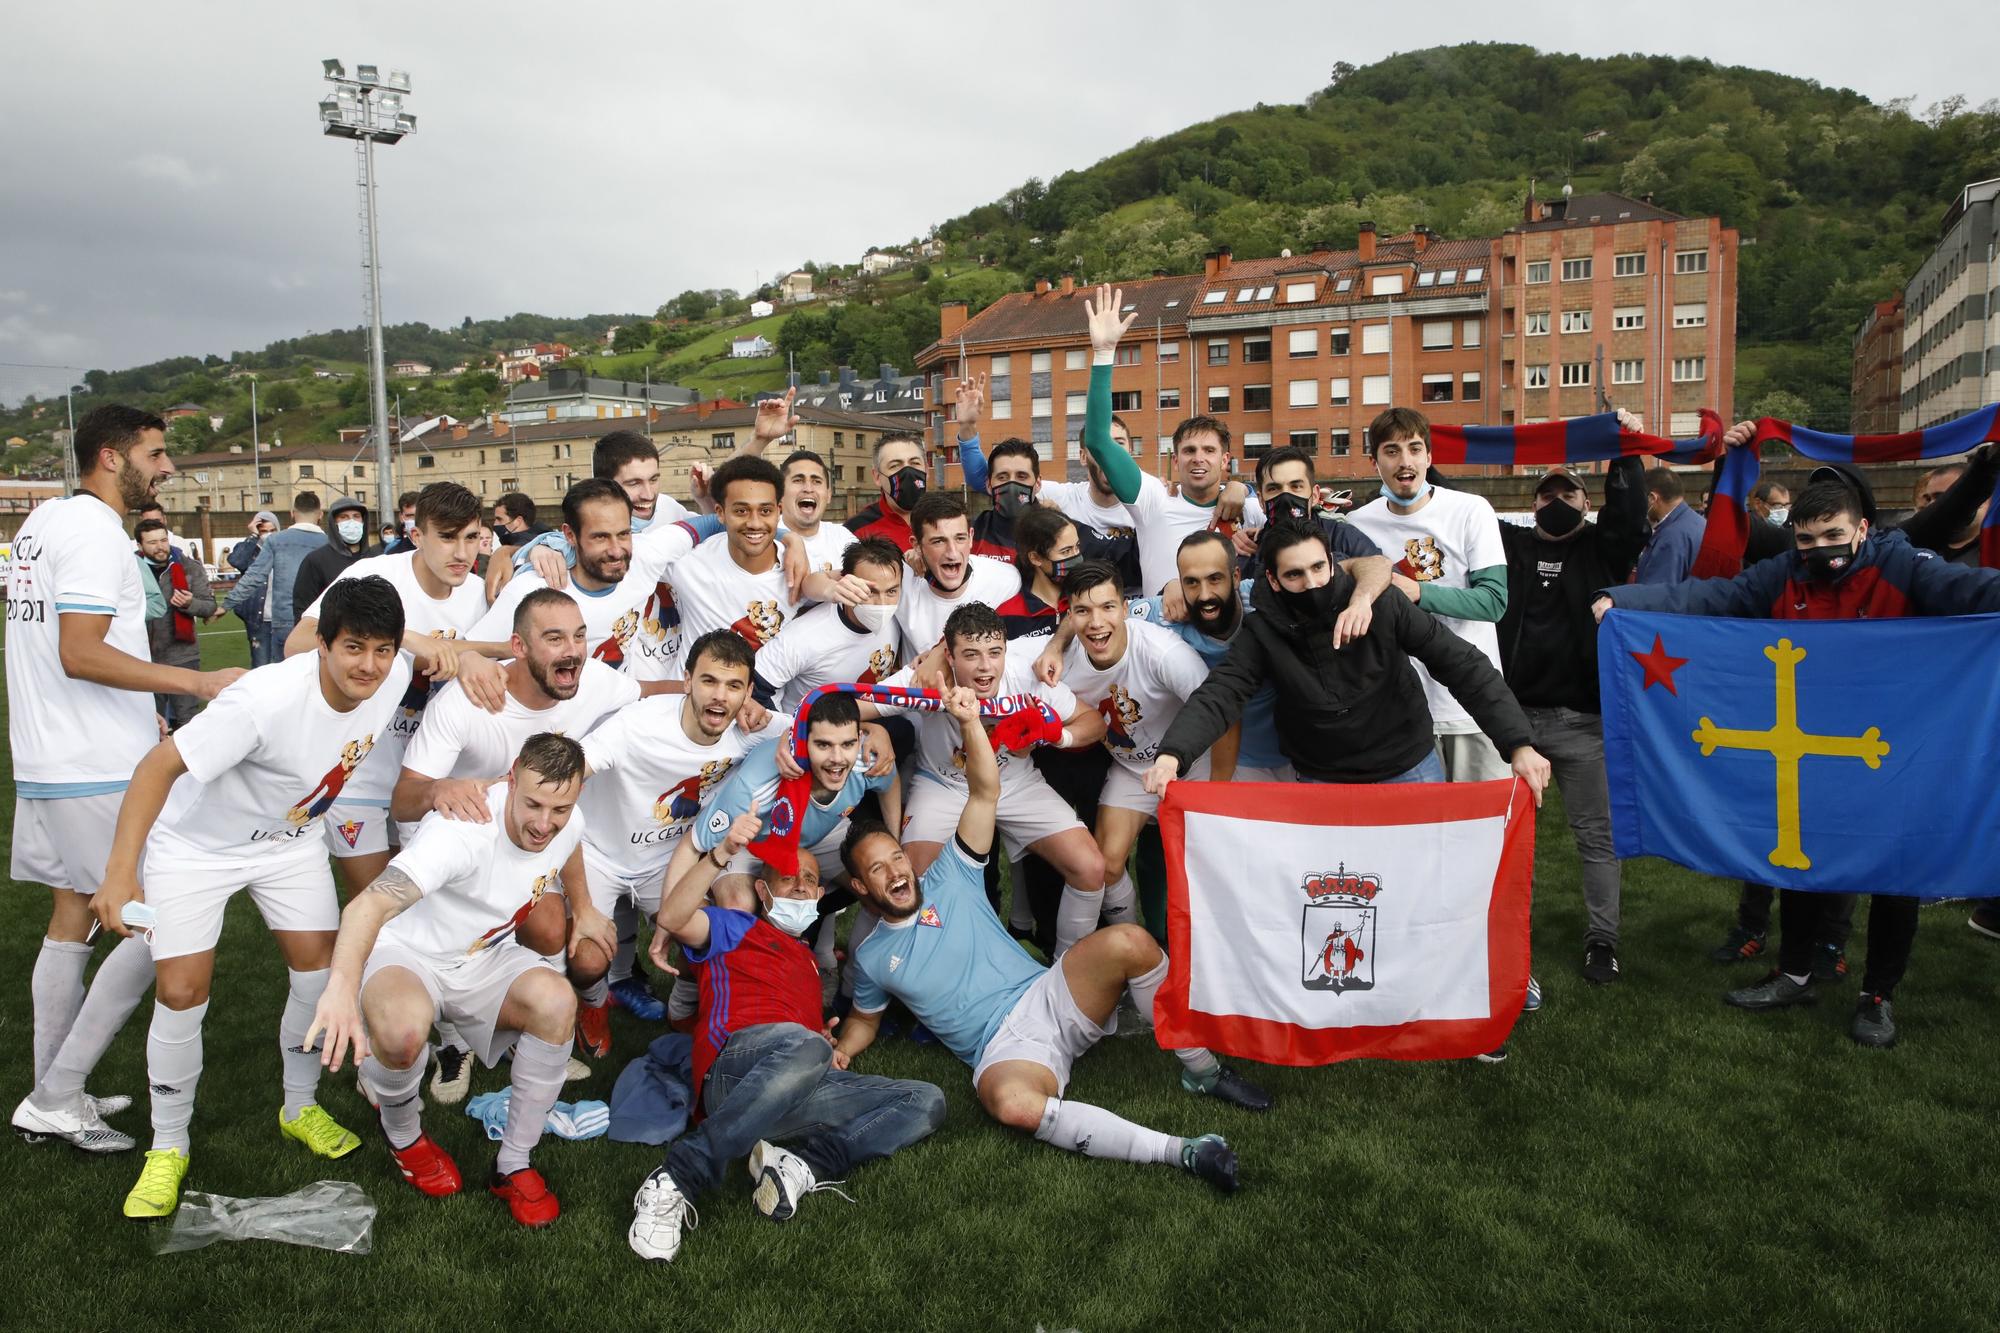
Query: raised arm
{"x": 680, "y": 914}
{"x": 982, "y": 772}
{"x": 1106, "y": 328}
{"x": 970, "y": 398}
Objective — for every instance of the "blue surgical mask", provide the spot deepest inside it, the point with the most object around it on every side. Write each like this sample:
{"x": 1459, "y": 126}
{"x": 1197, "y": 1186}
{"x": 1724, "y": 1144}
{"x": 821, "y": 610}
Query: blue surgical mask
{"x": 1395, "y": 499}
{"x": 794, "y": 916}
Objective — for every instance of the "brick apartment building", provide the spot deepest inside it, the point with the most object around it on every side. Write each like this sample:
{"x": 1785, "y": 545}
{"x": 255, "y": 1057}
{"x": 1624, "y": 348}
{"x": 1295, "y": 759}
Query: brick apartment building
{"x": 1878, "y": 370}
{"x": 1307, "y": 349}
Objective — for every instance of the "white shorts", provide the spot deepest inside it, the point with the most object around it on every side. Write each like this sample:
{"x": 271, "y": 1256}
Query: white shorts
{"x": 1469, "y": 757}
{"x": 356, "y": 830}
{"x": 1030, "y": 810}
{"x": 1251, "y": 773}
{"x": 65, "y": 842}
{"x": 1126, "y": 790}
{"x": 608, "y": 884}
{"x": 188, "y": 894}
{"x": 466, "y": 992}
{"x": 1045, "y": 1026}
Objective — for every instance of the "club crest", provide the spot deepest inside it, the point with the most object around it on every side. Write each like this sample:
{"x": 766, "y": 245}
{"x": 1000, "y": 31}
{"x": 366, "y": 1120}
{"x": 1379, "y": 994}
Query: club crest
{"x": 1337, "y": 936}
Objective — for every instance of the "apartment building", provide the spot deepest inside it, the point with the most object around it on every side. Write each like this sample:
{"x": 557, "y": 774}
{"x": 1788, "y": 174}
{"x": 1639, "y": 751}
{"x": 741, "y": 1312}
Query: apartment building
{"x": 1878, "y": 370}
{"x": 1951, "y": 330}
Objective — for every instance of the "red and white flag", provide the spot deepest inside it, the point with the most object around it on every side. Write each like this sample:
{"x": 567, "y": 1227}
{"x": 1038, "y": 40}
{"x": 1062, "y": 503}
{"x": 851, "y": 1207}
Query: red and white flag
{"x": 1309, "y": 924}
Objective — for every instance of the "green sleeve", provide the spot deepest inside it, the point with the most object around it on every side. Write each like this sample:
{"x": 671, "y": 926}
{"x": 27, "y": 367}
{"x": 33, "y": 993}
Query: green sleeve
{"x": 1116, "y": 464}
{"x": 1485, "y": 599}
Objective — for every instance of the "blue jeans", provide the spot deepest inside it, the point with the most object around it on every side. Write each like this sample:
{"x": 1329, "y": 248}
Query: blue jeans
{"x": 275, "y": 633}
{"x": 260, "y": 643}
{"x": 1430, "y": 770}
{"x": 775, "y": 1081}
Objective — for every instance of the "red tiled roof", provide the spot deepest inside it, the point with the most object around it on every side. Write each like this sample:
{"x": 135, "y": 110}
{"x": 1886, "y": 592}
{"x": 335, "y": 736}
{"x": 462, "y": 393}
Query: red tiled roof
{"x": 1056, "y": 314}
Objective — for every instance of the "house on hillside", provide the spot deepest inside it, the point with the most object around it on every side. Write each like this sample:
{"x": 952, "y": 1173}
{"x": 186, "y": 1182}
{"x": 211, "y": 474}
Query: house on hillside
{"x": 761, "y": 309}
{"x": 410, "y": 369}
{"x": 179, "y": 410}
{"x": 797, "y": 286}
{"x": 566, "y": 395}
{"x": 889, "y": 394}
{"x": 530, "y": 361}
{"x": 759, "y": 345}
{"x": 877, "y": 262}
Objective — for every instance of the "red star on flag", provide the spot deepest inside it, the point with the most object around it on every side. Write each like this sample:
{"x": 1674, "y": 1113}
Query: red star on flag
{"x": 1660, "y": 667}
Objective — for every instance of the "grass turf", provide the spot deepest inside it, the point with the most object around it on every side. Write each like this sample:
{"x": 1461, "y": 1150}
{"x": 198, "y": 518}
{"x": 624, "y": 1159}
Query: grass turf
{"x": 1647, "y": 1157}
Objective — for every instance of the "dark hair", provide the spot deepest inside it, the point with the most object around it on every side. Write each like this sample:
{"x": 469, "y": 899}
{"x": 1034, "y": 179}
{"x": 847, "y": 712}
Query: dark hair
{"x": 525, "y": 610}
{"x": 896, "y": 437}
{"x": 1119, "y": 422}
{"x": 586, "y": 491}
{"x": 446, "y": 506}
{"x": 1016, "y": 448}
{"x": 1035, "y": 533}
{"x": 112, "y": 426}
{"x": 1196, "y": 425}
{"x": 935, "y": 507}
{"x": 974, "y": 620}
{"x": 859, "y": 830}
{"x": 1944, "y": 470}
{"x": 552, "y": 757}
{"x": 1290, "y": 453}
{"x": 406, "y": 499}
{"x": 1202, "y": 537}
{"x": 806, "y": 456}
{"x": 836, "y": 710}
{"x": 146, "y": 525}
{"x": 726, "y": 646}
{"x": 1283, "y": 536}
{"x": 517, "y": 505}
{"x": 368, "y": 607}
{"x": 1826, "y": 499}
{"x": 744, "y": 468}
{"x": 1396, "y": 423}
{"x": 1664, "y": 482}
{"x": 152, "y": 507}
{"x": 871, "y": 551}
{"x": 1762, "y": 491}
{"x": 1091, "y": 574}
{"x": 617, "y": 449}
{"x": 305, "y": 502}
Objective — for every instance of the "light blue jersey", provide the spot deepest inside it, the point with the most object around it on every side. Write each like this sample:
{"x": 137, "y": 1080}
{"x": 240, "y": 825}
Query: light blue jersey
{"x": 753, "y": 785}
{"x": 953, "y": 963}
{"x": 1259, "y": 747}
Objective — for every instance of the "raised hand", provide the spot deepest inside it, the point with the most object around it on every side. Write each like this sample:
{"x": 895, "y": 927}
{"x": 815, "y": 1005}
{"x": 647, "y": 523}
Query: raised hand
{"x": 743, "y": 831}
{"x": 1106, "y": 325}
{"x": 774, "y": 417}
{"x": 971, "y": 399}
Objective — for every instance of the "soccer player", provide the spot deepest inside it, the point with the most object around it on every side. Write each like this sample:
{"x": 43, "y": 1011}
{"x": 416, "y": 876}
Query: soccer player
{"x": 765, "y": 1074}
{"x": 630, "y": 461}
{"x": 835, "y": 642}
{"x": 941, "y": 951}
{"x": 952, "y": 575}
{"x": 80, "y": 687}
{"x": 434, "y": 937}
{"x": 807, "y": 486}
{"x": 734, "y": 581}
{"x": 232, "y": 801}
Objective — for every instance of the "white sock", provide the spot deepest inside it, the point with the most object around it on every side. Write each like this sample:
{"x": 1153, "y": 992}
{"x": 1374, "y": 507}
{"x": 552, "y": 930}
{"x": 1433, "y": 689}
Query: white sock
{"x": 864, "y": 925}
{"x": 448, "y": 1036}
{"x": 1095, "y": 1132}
{"x": 1020, "y": 914}
{"x": 684, "y": 1000}
{"x": 396, "y": 1097}
{"x": 537, "y": 1081}
{"x": 594, "y": 993}
{"x": 57, "y": 989}
{"x": 173, "y": 1068}
{"x": 1121, "y": 903}
{"x": 301, "y": 1066}
{"x": 122, "y": 980}
{"x": 625, "y": 916}
{"x": 1145, "y": 988}
{"x": 829, "y": 933}
{"x": 1076, "y": 915}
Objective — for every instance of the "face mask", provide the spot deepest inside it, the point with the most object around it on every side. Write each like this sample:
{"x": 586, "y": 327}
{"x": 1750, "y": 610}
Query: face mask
{"x": 794, "y": 916}
{"x": 1396, "y": 499}
{"x": 1779, "y": 513}
{"x": 1824, "y": 564}
{"x": 350, "y": 530}
{"x": 1295, "y": 508}
{"x": 874, "y": 617}
{"x": 409, "y": 525}
{"x": 1558, "y": 518}
{"x": 1059, "y": 569}
{"x": 905, "y": 488}
{"x": 1314, "y": 606}
{"x": 1010, "y": 498}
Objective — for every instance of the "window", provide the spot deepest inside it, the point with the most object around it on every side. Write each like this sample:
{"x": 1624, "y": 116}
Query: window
{"x": 1575, "y": 374}
{"x": 839, "y": 437}
{"x": 1437, "y": 388}
{"x": 1374, "y": 339}
{"x": 1683, "y": 424}
{"x": 1256, "y": 442}
{"x": 1385, "y": 284}
{"x": 1128, "y": 355}
{"x": 1041, "y": 407}
{"x": 1338, "y": 441}
{"x": 506, "y": 455}
{"x": 1000, "y": 365}
{"x": 1073, "y": 405}
{"x": 1337, "y": 392}
{"x": 1469, "y": 387}
{"x": 1690, "y": 369}
{"x": 1244, "y": 293}
{"x": 1628, "y": 317}
{"x": 1218, "y": 400}
{"x": 1218, "y": 352}
{"x": 1694, "y": 315}
{"x": 1076, "y": 358}
{"x": 1299, "y": 291}
{"x": 1535, "y": 323}
{"x": 1302, "y": 342}
{"x": 1448, "y": 278}
{"x": 1001, "y": 409}
{"x": 1256, "y": 398}
{"x": 1302, "y": 393}
{"x": 1536, "y": 377}
{"x": 1337, "y": 342}
{"x": 1474, "y": 274}
{"x": 1264, "y": 293}
{"x": 1256, "y": 350}
{"x": 1576, "y": 321}
{"x": 723, "y": 439}
{"x": 427, "y": 460}
{"x": 1628, "y": 372}
{"x": 1576, "y": 270}
{"x": 1125, "y": 400}
{"x": 360, "y": 471}
{"x": 1343, "y": 285}
{"x": 1538, "y": 270}
{"x": 1629, "y": 266}
{"x": 1427, "y": 279}
{"x": 1375, "y": 390}
{"x": 1469, "y": 333}
{"x": 482, "y": 457}
{"x": 1436, "y": 334}
{"x": 1170, "y": 353}
{"x": 1214, "y": 298}
{"x": 1690, "y": 261}
{"x": 1169, "y": 399}
{"x": 264, "y": 472}
{"x": 1038, "y": 363}
{"x": 305, "y": 471}
{"x": 1307, "y": 440}
{"x": 263, "y": 497}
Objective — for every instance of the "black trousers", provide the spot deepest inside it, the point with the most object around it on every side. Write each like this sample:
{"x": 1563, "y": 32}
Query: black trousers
{"x": 1753, "y": 912}
{"x": 1892, "y": 930}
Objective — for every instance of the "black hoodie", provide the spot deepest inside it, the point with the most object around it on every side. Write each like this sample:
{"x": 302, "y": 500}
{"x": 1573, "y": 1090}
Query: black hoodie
{"x": 323, "y": 566}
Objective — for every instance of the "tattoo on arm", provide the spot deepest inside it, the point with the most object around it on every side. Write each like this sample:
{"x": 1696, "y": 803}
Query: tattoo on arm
{"x": 397, "y": 887}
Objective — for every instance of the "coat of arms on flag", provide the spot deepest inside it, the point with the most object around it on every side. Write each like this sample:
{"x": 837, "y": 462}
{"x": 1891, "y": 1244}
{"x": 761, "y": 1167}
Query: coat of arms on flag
{"x": 1338, "y": 939}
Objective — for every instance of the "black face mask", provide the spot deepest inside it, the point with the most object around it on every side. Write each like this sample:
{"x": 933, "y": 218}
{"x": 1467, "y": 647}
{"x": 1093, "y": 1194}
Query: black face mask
{"x": 906, "y": 487}
{"x": 1314, "y": 606}
{"x": 1010, "y": 498}
{"x": 1558, "y": 518}
{"x": 1824, "y": 564}
{"x": 1059, "y": 569}
{"x": 1295, "y": 508}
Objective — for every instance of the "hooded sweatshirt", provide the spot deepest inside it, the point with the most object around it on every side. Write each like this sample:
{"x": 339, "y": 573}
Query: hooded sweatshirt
{"x": 323, "y": 566}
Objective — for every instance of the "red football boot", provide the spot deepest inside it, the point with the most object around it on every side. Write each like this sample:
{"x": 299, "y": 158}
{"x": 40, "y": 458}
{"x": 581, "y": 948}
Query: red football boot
{"x": 428, "y": 1167}
{"x": 527, "y": 1196}
{"x": 593, "y": 1028}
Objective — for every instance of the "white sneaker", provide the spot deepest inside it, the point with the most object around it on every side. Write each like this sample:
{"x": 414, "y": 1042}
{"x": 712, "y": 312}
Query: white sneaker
{"x": 104, "y": 1106}
{"x": 453, "y": 1077}
{"x": 783, "y": 1179}
{"x": 574, "y": 1070}
{"x": 83, "y": 1128}
{"x": 659, "y": 1212}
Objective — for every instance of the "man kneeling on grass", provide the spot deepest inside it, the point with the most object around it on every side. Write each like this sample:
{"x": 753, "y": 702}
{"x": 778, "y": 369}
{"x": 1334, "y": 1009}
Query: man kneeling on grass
{"x": 763, "y": 1068}
{"x": 943, "y": 952}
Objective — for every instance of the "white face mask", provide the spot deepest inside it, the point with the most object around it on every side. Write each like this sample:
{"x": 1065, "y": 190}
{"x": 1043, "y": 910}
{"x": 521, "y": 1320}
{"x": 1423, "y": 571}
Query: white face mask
{"x": 349, "y": 530}
{"x": 874, "y": 616}
{"x": 794, "y": 916}
{"x": 1779, "y": 513}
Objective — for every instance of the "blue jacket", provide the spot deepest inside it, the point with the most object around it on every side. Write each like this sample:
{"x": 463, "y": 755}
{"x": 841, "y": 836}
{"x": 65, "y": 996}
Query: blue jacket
{"x": 1669, "y": 556}
{"x": 267, "y": 584}
{"x": 241, "y": 556}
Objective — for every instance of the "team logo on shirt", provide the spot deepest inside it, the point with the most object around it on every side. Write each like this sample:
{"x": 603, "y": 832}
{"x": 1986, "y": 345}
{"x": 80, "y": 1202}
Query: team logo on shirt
{"x": 929, "y": 917}
{"x": 612, "y": 651}
{"x": 1121, "y": 715}
{"x": 350, "y": 831}
{"x": 881, "y": 665}
{"x": 760, "y": 623}
{"x": 1421, "y": 560}
{"x": 682, "y": 801}
{"x": 1337, "y": 937}
{"x": 321, "y": 798}
{"x": 505, "y": 930}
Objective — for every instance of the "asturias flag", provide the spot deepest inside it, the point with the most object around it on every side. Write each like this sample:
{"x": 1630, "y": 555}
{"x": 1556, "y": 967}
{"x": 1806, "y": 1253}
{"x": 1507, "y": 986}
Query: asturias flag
{"x": 1846, "y": 756}
{"x": 1309, "y": 924}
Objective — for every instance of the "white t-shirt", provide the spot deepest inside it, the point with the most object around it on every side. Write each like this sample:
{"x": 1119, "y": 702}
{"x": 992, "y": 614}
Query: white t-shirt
{"x": 1162, "y": 520}
{"x": 449, "y": 617}
{"x": 825, "y": 547}
{"x": 73, "y": 737}
{"x": 921, "y": 612}
{"x": 267, "y": 758}
{"x": 621, "y": 623}
{"x": 1441, "y": 543}
{"x": 459, "y": 739}
{"x": 1110, "y": 521}
{"x": 1141, "y": 693}
{"x": 819, "y": 646}
{"x": 713, "y": 592}
{"x": 648, "y": 780}
{"x": 478, "y": 886}
{"x": 939, "y": 754}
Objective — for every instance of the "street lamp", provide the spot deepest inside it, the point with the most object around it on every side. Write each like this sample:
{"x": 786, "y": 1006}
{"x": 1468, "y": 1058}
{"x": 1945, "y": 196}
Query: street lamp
{"x": 368, "y": 109}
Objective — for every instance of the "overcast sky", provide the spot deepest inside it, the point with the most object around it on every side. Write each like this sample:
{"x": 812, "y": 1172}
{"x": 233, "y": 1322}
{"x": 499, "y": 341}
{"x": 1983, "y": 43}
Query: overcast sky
{"x": 167, "y": 190}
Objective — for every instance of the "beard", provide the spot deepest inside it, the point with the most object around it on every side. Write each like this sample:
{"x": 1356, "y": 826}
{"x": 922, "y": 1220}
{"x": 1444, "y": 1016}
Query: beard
{"x": 1216, "y": 619}
{"x": 134, "y": 487}
{"x": 544, "y": 676}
